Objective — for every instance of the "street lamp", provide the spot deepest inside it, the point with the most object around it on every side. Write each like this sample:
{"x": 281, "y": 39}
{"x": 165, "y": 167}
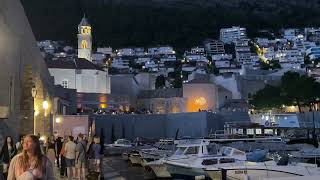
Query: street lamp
{"x": 45, "y": 105}
{"x": 34, "y": 94}
{"x": 58, "y": 120}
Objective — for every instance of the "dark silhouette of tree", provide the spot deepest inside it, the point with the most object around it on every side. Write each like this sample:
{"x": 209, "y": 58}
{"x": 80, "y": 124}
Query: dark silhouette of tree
{"x": 160, "y": 82}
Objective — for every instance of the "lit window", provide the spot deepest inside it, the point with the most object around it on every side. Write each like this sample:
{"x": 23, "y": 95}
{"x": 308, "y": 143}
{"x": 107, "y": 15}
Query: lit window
{"x": 65, "y": 84}
{"x": 84, "y": 44}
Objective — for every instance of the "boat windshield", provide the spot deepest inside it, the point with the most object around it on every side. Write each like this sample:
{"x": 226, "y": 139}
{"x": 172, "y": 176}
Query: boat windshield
{"x": 180, "y": 150}
{"x": 186, "y": 150}
{"x": 192, "y": 150}
{"x": 122, "y": 141}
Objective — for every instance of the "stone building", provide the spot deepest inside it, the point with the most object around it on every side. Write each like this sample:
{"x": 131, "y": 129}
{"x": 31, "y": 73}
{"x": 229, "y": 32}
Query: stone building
{"x": 201, "y": 94}
{"x": 161, "y": 101}
{"x": 26, "y": 87}
{"x": 197, "y": 95}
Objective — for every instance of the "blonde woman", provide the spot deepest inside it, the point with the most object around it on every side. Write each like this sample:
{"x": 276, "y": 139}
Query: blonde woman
{"x": 31, "y": 164}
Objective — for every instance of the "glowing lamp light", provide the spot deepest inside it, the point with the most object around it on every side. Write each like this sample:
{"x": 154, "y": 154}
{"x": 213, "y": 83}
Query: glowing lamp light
{"x": 45, "y": 105}
{"x": 36, "y": 113}
{"x": 58, "y": 120}
{"x": 200, "y": 101}
{"x": 42, "y": 138}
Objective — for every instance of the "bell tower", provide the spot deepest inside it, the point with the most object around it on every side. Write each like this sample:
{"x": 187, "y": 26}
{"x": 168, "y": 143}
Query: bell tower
{"x": 84, "y": 39}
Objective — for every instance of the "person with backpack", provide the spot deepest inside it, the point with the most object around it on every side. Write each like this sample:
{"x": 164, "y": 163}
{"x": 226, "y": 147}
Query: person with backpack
{"x": 81, "y": 157}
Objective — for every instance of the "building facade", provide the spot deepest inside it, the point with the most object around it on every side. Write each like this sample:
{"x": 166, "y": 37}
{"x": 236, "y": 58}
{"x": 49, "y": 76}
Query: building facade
{"x": 26, "y": 91}
{"x": 230, "y": 35}
{"x": 214, "y": 47}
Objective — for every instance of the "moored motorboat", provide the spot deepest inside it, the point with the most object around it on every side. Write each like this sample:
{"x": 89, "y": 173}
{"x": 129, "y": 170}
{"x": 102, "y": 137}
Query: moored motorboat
{"x": 260, "y": 170}
{"x": 192, "y": 165}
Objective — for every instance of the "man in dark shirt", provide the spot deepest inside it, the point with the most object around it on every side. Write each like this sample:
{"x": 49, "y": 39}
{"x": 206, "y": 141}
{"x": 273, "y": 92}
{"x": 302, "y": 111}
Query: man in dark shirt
{"x": 57, "y": 148}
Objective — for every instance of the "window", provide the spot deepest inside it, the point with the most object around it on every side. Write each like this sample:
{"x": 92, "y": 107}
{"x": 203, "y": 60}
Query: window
{"x": 227, "y": 160}
{"x": 65, "y": 84}
{"x": 209, "y": 162}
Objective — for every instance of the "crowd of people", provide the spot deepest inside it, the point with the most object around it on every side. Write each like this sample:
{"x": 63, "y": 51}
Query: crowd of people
{"x": 56, "y": 157}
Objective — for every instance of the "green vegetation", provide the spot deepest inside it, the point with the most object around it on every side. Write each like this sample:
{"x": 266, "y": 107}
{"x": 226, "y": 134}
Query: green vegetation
{"x": 295, "y": 89}
{"x": 160, "y": 82}
{"x": 183, "y": 24}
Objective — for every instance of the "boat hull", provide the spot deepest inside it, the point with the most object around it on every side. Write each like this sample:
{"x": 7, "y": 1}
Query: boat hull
{"x": 184, "y": 172}
{"x": 252, "y": 174}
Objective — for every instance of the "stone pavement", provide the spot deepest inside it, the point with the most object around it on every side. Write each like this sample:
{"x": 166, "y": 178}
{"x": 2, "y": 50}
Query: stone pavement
{"x": 114, "y": 168}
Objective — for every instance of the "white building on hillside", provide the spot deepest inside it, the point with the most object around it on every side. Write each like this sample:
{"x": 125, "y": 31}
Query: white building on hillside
{"x": 120, "y": 63}
{"x": 290, "y": 34}
{"x": 292, "y": 55}
{"x": 230, "y": 35}
{"x": 168, "y": 57}
{"x": 217, "y": 57}
{"x": 161, "y": 50}
{"x": 242, "y": 49}
{"x": 195, "y": 57}
{"x": 125, "y": 52}
{"x": 197, "y": 50}
{"x": 105, "y": 50}
{"x": 214, "y": 47}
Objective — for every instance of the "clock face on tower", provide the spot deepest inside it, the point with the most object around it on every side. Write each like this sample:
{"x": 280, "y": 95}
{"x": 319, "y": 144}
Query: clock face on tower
{"x": 84, "y": 44}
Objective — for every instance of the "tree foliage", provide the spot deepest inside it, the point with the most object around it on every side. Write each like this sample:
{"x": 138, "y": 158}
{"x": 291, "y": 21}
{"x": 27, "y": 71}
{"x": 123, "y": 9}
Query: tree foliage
{"x": 267, "y": 98}
{"x": 295, "y": 89}
{"x": 160, "y": 81}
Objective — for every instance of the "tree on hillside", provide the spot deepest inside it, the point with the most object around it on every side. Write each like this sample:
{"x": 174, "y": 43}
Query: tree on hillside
{"x": 267, "y": 98}
{"x": 295, "y": 89}
{"x": 160, "y": 82}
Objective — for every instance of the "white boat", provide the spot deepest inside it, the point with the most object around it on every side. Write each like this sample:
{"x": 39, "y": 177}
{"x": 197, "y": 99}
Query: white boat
{"x": 192, "y": 165}
{"x": 258, "y": 171}
{"x": 184, "y": 148}
{"x": 120, "y": 143}
{"x": 118, "y": 147}
{"x": 307, "y": 153}
{"x": 164, "y": 148}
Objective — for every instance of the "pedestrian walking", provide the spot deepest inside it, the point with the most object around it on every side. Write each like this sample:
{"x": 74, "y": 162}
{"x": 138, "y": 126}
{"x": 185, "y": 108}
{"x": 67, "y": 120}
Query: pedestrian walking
{"x": 19, "y": 144}
{"x": 95, "y": 158}
{"x": 31, "y": 164}
{"x": 57, "y": 149}
{"x": 8, "y": 151}
{"x": 63, "y": 166}
{"x": 50, "y": 150}
{"x": 81, "y": 157}
{"x": 70, "y": 155}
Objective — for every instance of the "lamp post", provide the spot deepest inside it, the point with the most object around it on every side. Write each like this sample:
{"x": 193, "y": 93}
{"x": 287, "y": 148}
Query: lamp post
{"x": 45, "y": 106}
{"x": 34, "y": 94}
